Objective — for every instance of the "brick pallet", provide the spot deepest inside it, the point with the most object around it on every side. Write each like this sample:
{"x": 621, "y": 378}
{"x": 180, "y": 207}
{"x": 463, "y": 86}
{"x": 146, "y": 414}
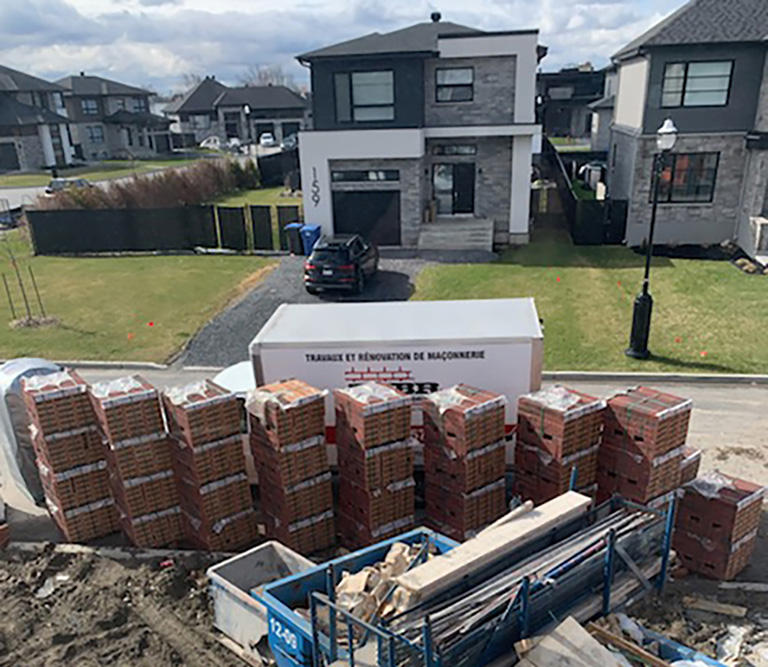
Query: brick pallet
{"x": 156, "y": 529}
{"x": 464, "y": 459}
{"x": 202, "y": 412}
{"x": 231, "y": 533}
{"x": 375, "y": 454}
{"x": 70, "y": 455}
{"x": 540, "y": 477}
{"x": 634, "y": 477}
{"x": 689, "y": 468}
{"x": 287, "y": 436}
{"x": 127, "y": 408}
{"x": 716, "y": 524}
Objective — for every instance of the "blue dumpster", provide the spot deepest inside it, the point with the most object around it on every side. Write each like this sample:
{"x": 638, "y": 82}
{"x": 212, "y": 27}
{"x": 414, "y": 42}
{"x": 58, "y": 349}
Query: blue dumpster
{"x": 293, "y": 234}
{"x": 309, "y": 236}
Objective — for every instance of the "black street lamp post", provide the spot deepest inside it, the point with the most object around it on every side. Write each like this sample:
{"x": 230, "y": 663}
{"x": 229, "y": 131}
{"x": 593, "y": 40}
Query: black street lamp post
{"x": 666, "y": 137}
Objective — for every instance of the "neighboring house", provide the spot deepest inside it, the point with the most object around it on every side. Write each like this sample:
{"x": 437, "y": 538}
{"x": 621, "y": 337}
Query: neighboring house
{"x": 564, "y": 98}
{"x": 423, "y": 136}
{"x": 244, "y": 113}
{"x": 602, "y": 112}
{"x": 112, "y": 120}
{"x": 705, "y": 68}
{"x": 34, "y": 130}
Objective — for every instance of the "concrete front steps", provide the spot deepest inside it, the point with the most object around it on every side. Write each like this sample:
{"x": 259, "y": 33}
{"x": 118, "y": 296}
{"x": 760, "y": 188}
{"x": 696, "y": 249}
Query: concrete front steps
{"x": 457, "y": 234}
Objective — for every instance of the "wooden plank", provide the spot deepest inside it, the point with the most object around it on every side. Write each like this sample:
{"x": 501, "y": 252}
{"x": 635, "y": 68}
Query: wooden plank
{"x": 570, "y": 645}
{"x": 750, "y": 586}
{"x": 628, "y": 646}
{"x": 633, "y": 566}
{"x": 701, "y": 604}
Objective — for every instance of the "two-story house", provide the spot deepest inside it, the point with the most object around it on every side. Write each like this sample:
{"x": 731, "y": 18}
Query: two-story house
{"x": 423, "y": 136}
{"x": 212, "y": 109}
{"x": 34, "y": 128}
{"x": 705, "y": 68}
{"x": 112, "y": 120}
{"x": 564, "y": 98}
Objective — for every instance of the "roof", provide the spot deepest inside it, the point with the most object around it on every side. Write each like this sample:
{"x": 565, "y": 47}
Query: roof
{"x": 12, "y": 80}
{"x": 97, "y": 85}
{"x": 388, "y": 324}
{"x": 260, "y": 97}
{"x": 143, "y": 118}
{"x": 419, "y": 38}
{"x": 198, "y": 100}
{"x": 604, "y": 103}
{"x": 705, "y": 22}
{"x": 13, "y": 112}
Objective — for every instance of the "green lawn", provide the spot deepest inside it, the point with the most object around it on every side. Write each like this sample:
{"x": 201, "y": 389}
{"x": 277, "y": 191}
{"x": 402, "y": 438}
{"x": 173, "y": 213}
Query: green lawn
{"x": 132, "y": 308}
{"x": 98, "y": 172}
{"x": 708, "y": 316}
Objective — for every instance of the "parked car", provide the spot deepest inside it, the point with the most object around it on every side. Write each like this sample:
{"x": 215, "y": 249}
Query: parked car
{"x": 211, "y": 143}
{"x": 62, "y": 184}
{"x": 267, "y": 140}
{"x": 290, "y": 142}
{"x": 344, "y": 262}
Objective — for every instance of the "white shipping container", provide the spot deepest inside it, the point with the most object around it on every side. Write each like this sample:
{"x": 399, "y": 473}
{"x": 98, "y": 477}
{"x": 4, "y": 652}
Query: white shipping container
{"x": 416, "y": 346}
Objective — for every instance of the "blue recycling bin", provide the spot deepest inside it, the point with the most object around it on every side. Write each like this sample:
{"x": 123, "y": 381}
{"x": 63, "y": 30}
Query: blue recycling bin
{"x": 310, "y": 235}
{"x": 293, "y": 234}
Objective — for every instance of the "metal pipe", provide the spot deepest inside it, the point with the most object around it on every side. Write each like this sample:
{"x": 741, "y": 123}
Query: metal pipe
{"x": 351, "y": 643}
{"x": 426, "y": 640}
{"x": 668, "y": 527}
{"x": 315, "y": 634}
{"x": 608, "y": 567}
{"x": 525, "y": 601}
{"x": 330, "y": 585}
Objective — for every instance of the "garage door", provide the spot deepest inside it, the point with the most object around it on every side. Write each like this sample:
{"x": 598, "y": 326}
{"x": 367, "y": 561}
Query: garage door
{"x": 9, "y": 160}
{"x": 375, "y": 215}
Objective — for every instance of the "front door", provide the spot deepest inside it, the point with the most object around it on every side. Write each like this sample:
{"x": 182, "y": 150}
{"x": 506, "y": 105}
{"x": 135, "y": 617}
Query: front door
{"x": 454, "y": 188}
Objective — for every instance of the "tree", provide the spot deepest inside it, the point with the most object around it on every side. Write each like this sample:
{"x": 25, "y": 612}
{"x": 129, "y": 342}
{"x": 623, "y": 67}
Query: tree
{"x": 191, "y": 79}
{"x": 267, "y": 75}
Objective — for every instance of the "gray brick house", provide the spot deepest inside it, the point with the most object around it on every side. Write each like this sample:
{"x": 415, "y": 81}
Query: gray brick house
{"x": 112, "y": 119}
{"x": 423, "y": 137}
{"x": 705, "y": 68}
{"x": 34, "y": 128}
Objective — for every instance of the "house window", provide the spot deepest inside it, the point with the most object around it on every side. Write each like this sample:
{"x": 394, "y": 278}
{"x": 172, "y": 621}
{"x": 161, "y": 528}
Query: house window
{"x": 201, "y": 122}
{"x": 90, "y": 107}
{"x": 95, "y": 134}
{"x": 358, "y": 175}
{"x": 140, "y": 135}
{"x": 365, "y": 96}
{"x": 701, "y": 84}
{"x": 454, "y": 84}
{"x": 455, "y": 149}
{"x": 58, "y": 101}
{"x": 119, "y": 103}
{"x": 140, "y": 104}
{"x": 689, "y": 178}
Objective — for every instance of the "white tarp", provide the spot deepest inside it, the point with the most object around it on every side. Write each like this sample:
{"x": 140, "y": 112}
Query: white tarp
{"x": 20, "y": 468}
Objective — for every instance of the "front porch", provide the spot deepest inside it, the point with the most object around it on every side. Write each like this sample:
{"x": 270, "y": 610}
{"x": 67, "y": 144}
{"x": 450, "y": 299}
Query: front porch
{"x": 456, "y": 233}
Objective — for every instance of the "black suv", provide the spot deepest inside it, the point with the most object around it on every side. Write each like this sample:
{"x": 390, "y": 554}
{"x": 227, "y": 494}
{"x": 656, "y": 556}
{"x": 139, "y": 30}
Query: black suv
{"x": 340, "y": 262}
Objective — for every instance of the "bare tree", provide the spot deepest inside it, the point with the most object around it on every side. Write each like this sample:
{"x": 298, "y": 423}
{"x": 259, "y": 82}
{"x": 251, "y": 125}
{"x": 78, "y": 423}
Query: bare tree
{"x": 191, "y": 79}
{"x": 267, "y": 75}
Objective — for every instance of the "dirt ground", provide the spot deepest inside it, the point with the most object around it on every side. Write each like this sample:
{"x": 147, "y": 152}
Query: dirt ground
{"x": 104, "y": 612}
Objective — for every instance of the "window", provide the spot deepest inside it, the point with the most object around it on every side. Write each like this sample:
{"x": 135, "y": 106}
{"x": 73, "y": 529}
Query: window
{"x": 689, "y": 177}
{"x": 90, "y": 107}
{"x": 454, "y": 85}
{"x": 140, "y": 135}
{"x": 58, "y": 101}
{"x": 702, "y": 84}
{"x": 119, "y": 103}
{"x": 201, "y": 122}
{"x": 454, "y": 149}
{"x": 364, "y": 96}
{"x": 95, "y": 134}
{"x": 357, "y": 175}
{"x": 140, "y": 104}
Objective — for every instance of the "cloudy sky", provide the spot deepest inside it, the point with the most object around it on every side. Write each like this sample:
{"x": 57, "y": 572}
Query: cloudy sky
{"x": 155, "y": 42}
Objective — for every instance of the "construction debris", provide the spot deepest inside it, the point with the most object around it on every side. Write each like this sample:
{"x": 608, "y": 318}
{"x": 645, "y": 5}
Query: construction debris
{"x": 569, "y": 645}
{"x": 715, "y": 607}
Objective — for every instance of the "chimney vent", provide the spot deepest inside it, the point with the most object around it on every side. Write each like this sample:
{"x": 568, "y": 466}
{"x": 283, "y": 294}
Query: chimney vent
{"x": 435, "y": 16}
{"x": 82, "y": 73}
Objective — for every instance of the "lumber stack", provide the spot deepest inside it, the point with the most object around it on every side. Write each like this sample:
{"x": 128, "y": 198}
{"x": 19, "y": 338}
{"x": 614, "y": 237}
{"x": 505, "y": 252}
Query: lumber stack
{"x": 70, "y": 455}
{"x": 287, "y": 435}
{"x": 376, "y": 485}
{"x": 141, "y": 475}
{"x": 464, "y": 485}
{"x": 642, "y": 450}
{"x": 558, "y": 429}
{"x": 716, "y": 524}
{"x": 209, "y": 463}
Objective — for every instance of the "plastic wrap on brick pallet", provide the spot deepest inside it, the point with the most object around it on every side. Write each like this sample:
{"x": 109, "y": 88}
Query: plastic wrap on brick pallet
{"x": 647, "y": 401}
{"x": 221, "y": 483}
{"x": 562, "y": 399}
{"x": 546, "y": 458}
{"x": 258, "y": 399}
{"x": 54, "y": 385}
{"x": 309, "y": 521}
{"x": 137, "y": 440}
{"x": 72, "y": 472}
{"x": 196, "y": 395}
{"x": 376, "y": 397}
{"x": 122, "y": 390}
{"x": 221, "y": 524}
{"x": 390, "y": 447}
{"x": 453, "y": 397}
{"x": 152, "y": 516}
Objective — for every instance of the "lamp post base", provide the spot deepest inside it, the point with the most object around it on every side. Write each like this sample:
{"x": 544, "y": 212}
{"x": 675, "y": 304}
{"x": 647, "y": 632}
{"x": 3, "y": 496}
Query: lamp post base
{"x": 641, "y": 327}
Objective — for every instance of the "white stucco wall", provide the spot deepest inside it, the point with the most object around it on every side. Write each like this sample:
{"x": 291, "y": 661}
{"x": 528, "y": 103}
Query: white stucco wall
{"x": 44, "y": 132}
{"x": 630, "y": 97}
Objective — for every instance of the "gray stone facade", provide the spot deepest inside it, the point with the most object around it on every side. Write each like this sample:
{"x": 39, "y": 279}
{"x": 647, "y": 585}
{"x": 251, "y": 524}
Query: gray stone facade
{"x": 409, "y": 185}
{"x": 493, "y": 101}
{"x": 689, "y": 223}
{"x": 621, "y": 161}
{"x": 29, "y": 149}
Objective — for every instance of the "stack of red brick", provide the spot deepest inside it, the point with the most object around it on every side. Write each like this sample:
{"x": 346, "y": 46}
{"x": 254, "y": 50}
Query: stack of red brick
{"x": 376, "y": 485}
{"x": 287, "y": 434}
{"x": 642, "y": 454}
{"x": 464, "y": 460}
{"x": 139, "y": 460}
{"x": 70, "y": 455}
{"x": 208, "y": 459}
{"x": 716, "y": 524}
{"x": 558, "y": 429}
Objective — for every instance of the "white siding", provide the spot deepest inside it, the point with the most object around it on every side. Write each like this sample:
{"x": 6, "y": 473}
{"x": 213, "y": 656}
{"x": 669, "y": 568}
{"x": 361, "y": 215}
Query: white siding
{"x": 630, "y": 98}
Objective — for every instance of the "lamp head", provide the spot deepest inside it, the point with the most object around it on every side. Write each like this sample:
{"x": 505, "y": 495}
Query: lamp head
{"x": 666, "y": 136}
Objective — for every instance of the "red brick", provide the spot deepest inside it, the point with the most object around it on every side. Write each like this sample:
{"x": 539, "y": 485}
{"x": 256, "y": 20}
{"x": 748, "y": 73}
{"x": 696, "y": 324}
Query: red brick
{"x": 716, "y": 560}
{"x": 202, "y": 412}
{"x": 372, "y": 414}
{"x": 634, "y": 477}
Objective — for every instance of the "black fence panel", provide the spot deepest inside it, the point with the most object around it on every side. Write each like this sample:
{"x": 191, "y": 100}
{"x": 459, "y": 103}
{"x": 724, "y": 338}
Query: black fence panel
{"x": 261, "y": 225}
{"x": 122, "y": 230}
{"x": 285, "y": 216}
{"x": 616, "y": 229}
{"x": 589, "y": 223}
{"x": 279, "y": 168}
{"x": 232, "y": 227}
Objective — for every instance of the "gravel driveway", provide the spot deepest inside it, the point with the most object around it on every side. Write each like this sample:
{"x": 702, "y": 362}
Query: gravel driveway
{"x": 224, "y": 340}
